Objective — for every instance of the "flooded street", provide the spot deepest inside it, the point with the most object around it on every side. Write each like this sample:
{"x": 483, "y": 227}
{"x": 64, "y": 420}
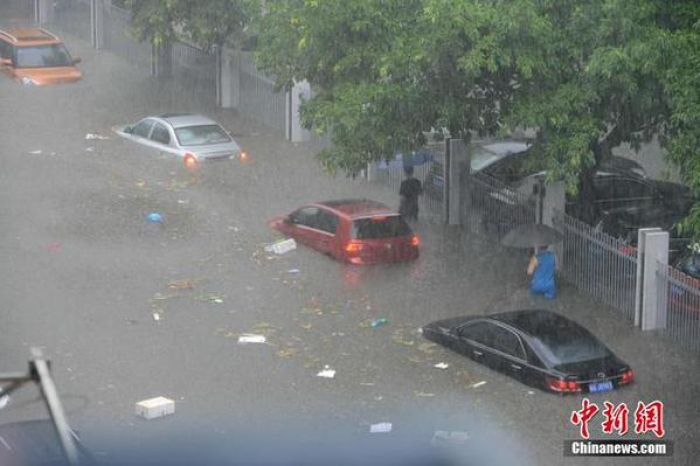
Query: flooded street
{"x": 84, "y": 275}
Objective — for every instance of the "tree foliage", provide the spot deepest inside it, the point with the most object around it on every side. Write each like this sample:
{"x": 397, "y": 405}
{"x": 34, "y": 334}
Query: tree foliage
{"x": 204, "y": 23}
{"x": 586, "y": 76}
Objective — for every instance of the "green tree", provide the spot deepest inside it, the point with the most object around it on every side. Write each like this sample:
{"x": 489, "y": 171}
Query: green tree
{"x": 586, "y": 76}
{"x": 206, "y": 23}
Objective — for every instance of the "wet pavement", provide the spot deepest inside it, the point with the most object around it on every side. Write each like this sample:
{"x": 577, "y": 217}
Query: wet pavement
{"x": 84, "y": 273}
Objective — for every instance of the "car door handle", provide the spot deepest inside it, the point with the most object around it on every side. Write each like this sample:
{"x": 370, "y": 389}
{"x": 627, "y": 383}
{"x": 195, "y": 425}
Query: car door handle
{"x": 516, "y": 367}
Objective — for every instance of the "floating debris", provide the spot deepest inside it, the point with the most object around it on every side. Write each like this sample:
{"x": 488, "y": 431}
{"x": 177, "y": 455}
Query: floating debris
{"x": 441, "y": 365}
{"x": 479, "y": 384}
{"x": 379, "y": 322}
{"x": 155, "y": 407}
{"x": 282, "y": 246}
{"x": 89, "y": 136}
{"x": 182, "y": 284}
{"x": 156, "y": 316}
{"x": 423, "y": 394}
{"x": 427, "y": 348}
{"x": 155, "y": 217}
{"x": 251, "y": 338}
{"x": 327, "y": 372}
{"x": 443, "y": 437}
{"x": 287, "y": 352}
{"x": 382, "y": 427}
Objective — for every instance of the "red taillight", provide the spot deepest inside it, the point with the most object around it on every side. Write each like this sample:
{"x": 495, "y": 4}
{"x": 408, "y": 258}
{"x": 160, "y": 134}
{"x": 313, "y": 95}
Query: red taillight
{"x": 191, "y": 162}
{"x": 627, "y": 377}
{"x": 415, "y": 241}
{"x": 353, "y": 247}
{"x": 629, "y": 250}
{"x": 563, "y": 386}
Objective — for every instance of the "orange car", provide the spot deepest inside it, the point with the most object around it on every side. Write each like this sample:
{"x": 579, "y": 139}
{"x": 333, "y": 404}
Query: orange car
{"x": 34, "y": 56}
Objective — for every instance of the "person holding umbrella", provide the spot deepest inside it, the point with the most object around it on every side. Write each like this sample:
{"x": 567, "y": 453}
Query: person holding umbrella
{"x": 543, "y": 263}
{"x": 542, "y": 269}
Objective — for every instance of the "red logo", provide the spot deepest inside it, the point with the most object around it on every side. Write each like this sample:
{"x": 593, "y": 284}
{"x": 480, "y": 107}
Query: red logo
{"x": 583, "y": 417}
{"x": 648, "y": 417}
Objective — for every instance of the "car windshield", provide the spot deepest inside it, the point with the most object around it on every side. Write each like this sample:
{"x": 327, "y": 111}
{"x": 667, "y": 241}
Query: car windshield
{"x": 380, "y": 227}
{"x": 201, "y": 135}
{"x": 43, "y": 56}
{"x": 568, "y": 344}
{"x": 483, "y": 158}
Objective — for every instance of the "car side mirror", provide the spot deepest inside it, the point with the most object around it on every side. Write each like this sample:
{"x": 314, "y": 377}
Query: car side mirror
{"x": 5, "y": 62}
{"x": 77, "y": 60}
{"x": 287, "y": 220}
{"x": 128, "y": 129}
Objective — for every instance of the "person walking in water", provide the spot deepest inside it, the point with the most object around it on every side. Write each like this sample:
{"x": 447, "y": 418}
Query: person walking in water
{"x": 542, "y": 269}
{"x": 409, "y": 191}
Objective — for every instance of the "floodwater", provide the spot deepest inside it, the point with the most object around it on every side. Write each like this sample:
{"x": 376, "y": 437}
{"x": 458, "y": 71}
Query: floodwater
{"x": 83, "y": 274}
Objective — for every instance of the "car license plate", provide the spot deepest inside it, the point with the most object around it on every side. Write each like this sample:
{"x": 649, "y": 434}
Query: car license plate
{"x": 600, "y": 387}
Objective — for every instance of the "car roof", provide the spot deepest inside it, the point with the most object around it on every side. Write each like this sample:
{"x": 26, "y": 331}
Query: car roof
{"x": 356, "y": 208}
{"x": 30, "y": 36}
{"x": 538, "y": 323}
{"x": 179, "y": 120}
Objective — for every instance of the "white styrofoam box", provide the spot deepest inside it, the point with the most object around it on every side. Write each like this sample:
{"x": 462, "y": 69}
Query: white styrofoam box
{"x": 155, "y": 407}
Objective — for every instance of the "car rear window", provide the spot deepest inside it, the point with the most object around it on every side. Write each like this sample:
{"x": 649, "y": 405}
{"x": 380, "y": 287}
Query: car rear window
{"x": 378, "y": 227}
{"x": 43, "y": 56}
{"x": 201, "y": 135}
{"x": 570, "y": 345}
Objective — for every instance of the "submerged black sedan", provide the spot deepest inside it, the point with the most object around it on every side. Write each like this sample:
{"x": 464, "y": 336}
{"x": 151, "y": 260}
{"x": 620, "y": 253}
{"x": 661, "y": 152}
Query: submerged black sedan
{"x": 537, "y": 347}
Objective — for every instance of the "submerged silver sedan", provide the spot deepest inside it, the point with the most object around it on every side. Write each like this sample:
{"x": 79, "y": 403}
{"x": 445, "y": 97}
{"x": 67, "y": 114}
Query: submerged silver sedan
{"x": 193, "y": 137}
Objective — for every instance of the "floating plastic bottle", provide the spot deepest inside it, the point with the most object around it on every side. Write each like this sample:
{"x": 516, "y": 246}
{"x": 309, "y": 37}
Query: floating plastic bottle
{"x": 379, "y": 322}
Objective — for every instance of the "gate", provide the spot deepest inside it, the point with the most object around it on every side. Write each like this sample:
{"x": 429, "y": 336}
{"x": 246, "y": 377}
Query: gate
{"x": 72, "y": 17}
{"x": 494, "y": 207}
{"x": 598, "y": 264}
{"x": 680, "y": 295}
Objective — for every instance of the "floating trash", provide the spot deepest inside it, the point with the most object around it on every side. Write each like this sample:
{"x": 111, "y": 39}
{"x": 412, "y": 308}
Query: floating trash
{"x": 54, "y": 247}
{"x": 156, "y": 316}
{"x": 442, "y": 365}
{"x": 479, "y": 384}
{"x": 182, "y": 285}
{"x": 155, "y": 407}
{"x": 443, "y": 437}
{"x": 95, "y": 136}
{"x": 282, "y": 246}
{"x": 379, "y": 322}
{"x": 382, "y": 427}
{"x": 155, "y": 217}
{"x": 251, "y": 338}
{"x": 327, "y": 372}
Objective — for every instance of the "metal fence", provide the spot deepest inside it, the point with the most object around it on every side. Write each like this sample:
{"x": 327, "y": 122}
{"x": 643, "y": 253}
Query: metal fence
{"x": 391, "y": 173}
{"x": 598, "y": 264}
{"x": 119, "y": 40}
{"x": 72, "y": 17}
{"x": 494, "y": 208}
{"x": 195, "y": 69}
{"x": 680, "y": 295}
{"x": 258, "y": 98}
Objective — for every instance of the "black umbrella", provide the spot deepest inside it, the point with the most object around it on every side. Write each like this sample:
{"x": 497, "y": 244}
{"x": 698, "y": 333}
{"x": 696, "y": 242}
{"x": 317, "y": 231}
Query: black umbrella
{"x": 531, "y": 236}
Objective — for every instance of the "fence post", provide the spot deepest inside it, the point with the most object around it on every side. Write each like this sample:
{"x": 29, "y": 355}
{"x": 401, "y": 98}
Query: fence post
{"x": 43, "y": 12}
{"x": 655, "y": 255}
{"x": 161, "y": 60}
{"x": 456, "y": 162}
{"x": 554, "y": 201}
{"x": 639, "y": 295}
{"x": 97, "y": 34}
{"x": 300, "y": 91}
{"x": 230, "y": 78}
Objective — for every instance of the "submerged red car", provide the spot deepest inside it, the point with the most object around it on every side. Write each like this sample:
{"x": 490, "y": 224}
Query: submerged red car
{"x": 358, "y": 231}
